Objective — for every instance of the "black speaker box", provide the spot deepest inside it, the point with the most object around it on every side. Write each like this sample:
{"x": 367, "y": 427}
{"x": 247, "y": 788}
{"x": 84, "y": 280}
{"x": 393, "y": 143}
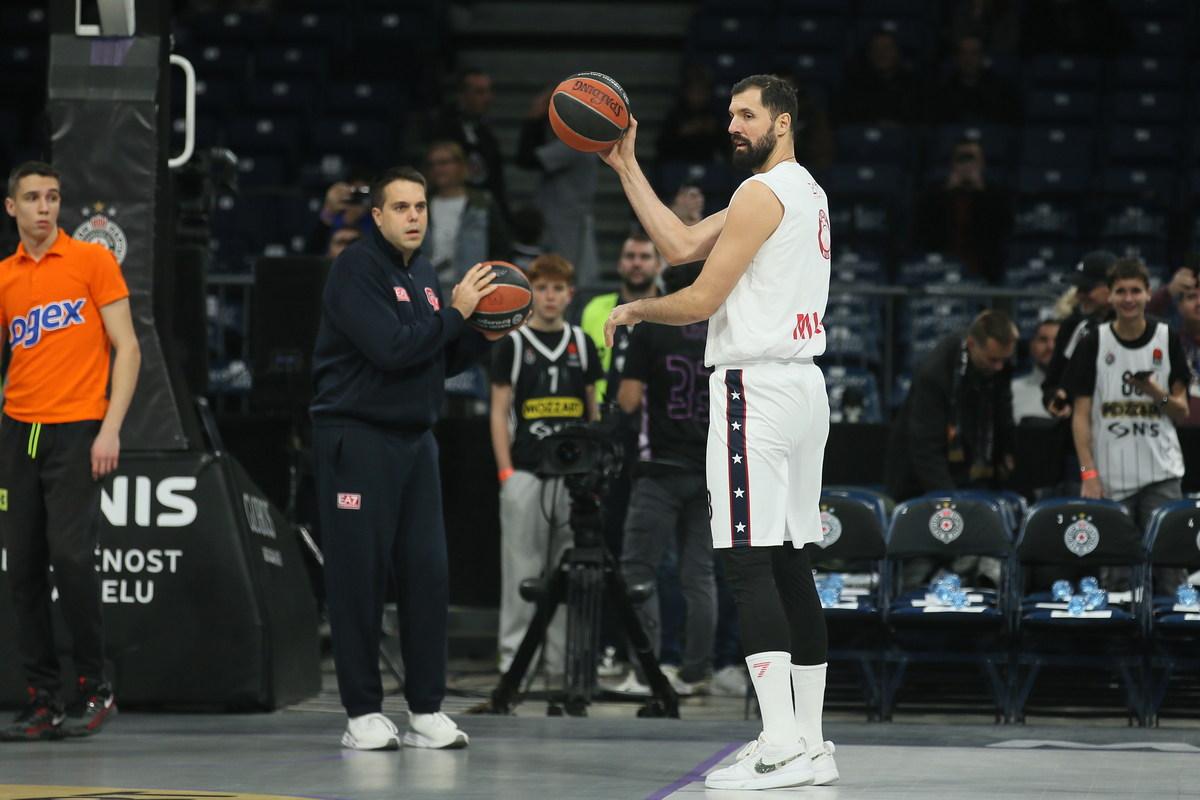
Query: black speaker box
{"x": 285, "y": 314}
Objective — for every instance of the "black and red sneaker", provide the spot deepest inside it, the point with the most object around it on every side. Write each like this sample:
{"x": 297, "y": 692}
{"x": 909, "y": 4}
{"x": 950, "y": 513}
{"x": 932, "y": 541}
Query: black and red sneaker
{"x": 91, "y": 709}
{"x": 41, "y": 719}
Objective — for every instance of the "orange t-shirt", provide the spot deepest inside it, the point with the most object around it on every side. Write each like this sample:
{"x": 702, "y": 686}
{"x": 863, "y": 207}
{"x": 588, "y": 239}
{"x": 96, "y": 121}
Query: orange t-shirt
{"x": 51, "y": 315}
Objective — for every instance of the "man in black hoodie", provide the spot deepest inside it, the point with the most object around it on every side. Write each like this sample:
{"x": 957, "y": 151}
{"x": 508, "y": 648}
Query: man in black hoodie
{"x": 383, "y": 351}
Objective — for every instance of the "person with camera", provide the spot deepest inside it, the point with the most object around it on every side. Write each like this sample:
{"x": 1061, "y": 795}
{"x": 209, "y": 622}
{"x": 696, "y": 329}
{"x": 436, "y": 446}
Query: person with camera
{"x": 386, "y": 342}
{"x": 543, "y": 376}
{"x": 346, "y": 205}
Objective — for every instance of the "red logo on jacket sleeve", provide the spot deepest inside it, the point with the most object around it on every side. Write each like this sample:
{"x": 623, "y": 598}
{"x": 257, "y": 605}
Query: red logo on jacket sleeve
{"x": 433, "y": 299}
{"x": 350, "y": 501}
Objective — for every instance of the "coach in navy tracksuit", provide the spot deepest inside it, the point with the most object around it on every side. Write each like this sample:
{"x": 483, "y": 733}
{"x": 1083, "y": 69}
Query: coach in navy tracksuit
{"x": 385, "y": 346}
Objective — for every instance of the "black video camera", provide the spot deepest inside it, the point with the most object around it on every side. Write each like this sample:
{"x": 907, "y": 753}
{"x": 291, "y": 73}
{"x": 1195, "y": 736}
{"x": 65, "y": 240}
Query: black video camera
{"x": 581, "y": 448}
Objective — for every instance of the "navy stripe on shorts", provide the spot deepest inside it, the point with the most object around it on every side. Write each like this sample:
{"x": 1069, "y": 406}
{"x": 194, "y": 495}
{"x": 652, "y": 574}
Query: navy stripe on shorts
{"x": 739, "y": 472}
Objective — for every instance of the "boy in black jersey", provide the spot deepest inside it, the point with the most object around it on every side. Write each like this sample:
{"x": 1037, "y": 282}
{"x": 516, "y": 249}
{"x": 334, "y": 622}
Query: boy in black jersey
{"x": 543, "y": 377}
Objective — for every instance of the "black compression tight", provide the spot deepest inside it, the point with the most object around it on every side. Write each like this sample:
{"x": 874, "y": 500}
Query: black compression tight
{"x": 777, "y": 602}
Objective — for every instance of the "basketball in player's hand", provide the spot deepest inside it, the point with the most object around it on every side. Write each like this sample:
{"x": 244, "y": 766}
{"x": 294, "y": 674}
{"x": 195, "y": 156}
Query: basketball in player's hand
{"x": 589, "y": 111}
{"x": 506, "y": 308}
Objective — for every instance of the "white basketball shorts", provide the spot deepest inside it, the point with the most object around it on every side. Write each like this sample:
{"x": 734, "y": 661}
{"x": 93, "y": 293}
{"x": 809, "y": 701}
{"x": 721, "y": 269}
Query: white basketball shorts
{"x": 767, "y": 427}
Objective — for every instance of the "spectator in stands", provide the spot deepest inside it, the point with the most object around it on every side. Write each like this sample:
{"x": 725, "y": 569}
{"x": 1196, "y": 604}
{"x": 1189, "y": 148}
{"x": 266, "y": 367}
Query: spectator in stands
{"x": 1073, "y": 27}
{"x": 1181, "y": 298}
{"x": 694, "y": 129}
{"x": 1084, "y": 305}
{"x": 565, "y": 191}
{"x": 1027, "y": 388}
{"x": 463, "y": 122}
{"x": 341, "y": 239}
{"x": 528, "y": 227}
{"x": 346, "y": 205}
{"x": 993, "y": 21}
{"x": 465, "y": 226}
{"x": 881, "y": 90}
{"x": 811, "y": 130}
{"x": 964, "y": 217}
{"x": 972, "y": 92}
{"x": 1163, "y": 303}
{"x": 955, "y": 427}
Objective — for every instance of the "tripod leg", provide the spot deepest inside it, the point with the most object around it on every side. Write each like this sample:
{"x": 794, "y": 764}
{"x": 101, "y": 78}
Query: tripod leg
{"x": 640, "y": 642}
{"x": 510, "y": 683}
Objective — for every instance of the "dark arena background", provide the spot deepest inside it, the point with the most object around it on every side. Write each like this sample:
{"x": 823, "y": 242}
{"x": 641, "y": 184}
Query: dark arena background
{"x": 973, "y": 152}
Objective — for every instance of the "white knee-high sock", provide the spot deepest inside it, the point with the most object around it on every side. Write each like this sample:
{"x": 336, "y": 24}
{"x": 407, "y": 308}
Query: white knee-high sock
{"x": 808, "y": 688}
{"x": 772, "y": 683}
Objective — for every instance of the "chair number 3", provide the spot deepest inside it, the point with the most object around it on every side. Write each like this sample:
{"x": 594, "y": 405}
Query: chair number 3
{"x": 1060, "y": 519}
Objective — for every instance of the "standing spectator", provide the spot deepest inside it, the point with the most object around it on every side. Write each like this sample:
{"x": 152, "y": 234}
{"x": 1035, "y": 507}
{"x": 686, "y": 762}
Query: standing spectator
{"x": 1073, "y": 27}
{"x": 1163, "y": 302}
{"x": 465, "y": 225}
{"x": 341, "y": 239}
{"x": 881, "y": 90}
{"x": 1027, "y": 388}
{"x": 565, "y": 191}
{"x": 1082, "y": 307}
{"x": 463, "y": 122}
{"x": 1181, "y": 298}
{"x": 993, "y": 21}
{"x": 694, "y": 129}
{"x": 528, "y": 226}
{"x": 972, "y": 92}
{"x": 964, "y": 217}
{"x": 345, "y": 206}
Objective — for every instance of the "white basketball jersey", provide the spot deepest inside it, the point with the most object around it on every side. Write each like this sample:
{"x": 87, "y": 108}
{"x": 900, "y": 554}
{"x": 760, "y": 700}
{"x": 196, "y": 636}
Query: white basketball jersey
{"x": 1133, "y": 441}
{"x": 776, "y": 311}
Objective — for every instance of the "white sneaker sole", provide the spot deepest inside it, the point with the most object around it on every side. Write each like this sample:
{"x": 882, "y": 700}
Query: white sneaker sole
{"x": 783, "y": 781}
{"x": 414, "y": 739}
{"x": 825, "y": 777}
{"x": 349, "y": 742}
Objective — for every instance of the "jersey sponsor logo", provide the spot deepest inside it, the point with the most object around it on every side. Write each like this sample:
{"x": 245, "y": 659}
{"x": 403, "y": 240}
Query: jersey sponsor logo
{"x": 831, "y": 528}
{"x": 807, "y": 325}
{"x": 1130, "y": 408}
{"x": 1120, "y": 430}
{"x": 572, "y": 349}
{"x": 946, "y": 524}
{"x": 27, "y": 331}
{"x": 349, "y": 501}
{"x": 103, "y": 230}
{"x": 401, "y": 294}
{"x": 823, "y": 240}
{"x": 539, "y": 407}
{"x": 431, "y": 296}
{"x": 1157, "y": 357}
{"x": 1081, "y": 537}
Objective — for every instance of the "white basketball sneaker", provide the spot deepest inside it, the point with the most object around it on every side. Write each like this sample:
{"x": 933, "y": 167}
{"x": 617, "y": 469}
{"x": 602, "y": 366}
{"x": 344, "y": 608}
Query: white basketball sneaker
{"x": 371, "y": 732}
{"x": 436, "y": 731}
{"x": 824, "y": 768}
{"x": 762, "y": 766}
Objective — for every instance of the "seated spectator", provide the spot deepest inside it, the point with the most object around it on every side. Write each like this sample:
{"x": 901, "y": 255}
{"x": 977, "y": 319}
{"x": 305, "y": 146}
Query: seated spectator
{"x": 972, "y": 92}
{"x": 694, "y": 129}
{"x": 1073, "y": 27}
{"x": 964, "y": 217}
{"x": 463, "y": 121}
{"x": 465, "y": 227}
{"x": 813, "y": 134}
{"x": 341, "y": 239}
{"x": 346, "y": 206}
{"x": 1184, "y": 294}
{"x": 528, "y": 227}
{"x": 1027, "y": 388}
{"x": 993, "y": 21}
{"x": 880, "y": 90}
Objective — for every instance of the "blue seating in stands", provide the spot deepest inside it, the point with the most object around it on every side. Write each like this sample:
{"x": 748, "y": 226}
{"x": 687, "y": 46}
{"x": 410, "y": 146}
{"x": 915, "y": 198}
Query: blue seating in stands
{"x": 206, "y": 132}
{"x": 1045, "y": 218}
{"x": 1135, "y": 219}
{"x": 296, "y": 27}
{"x": 261, "y": 171}
{"x": 1154, "y": 9}
{"x": 730, "y": 66}
{"x": 365, "y": 99}
{"x": 222, "y": 27}
{"x": 874, "y": 143}
{"x": 1080, "y": 106}
{"x": 732, "y": 32}
{"x": 291, "y": 63}
{"x": 810, "y": 34}
{"x": 1159, "y": 37}
{"x": 23, "y": 23}
{"x": 813, "y": 7}
{"x": 931, "y": 268}
{"x": 1142, "y": 145}
{"x": 1029, "y": 312}
{"x": 1148, "y": 72}
{"x": 229, "y": 253}
{"x": 923, "y": 310}
{"x": 862, "y": 221}
{"x": 317, "y": 5}
{"x": 1062, "y": 72}
{"x": 1054, "y": 253}
{"x": 919, "y": 9}
{"x": 263, "y": 134}
{"x": 813, "y": 69}
{"x": 996, "y": 141}
{"x": 1053, "y": 180}
{"x": 1050, "y": 146}
{"x": 850, "y": 342}
{"x": 1158, "y": 181}
{"x": 839, "y": 380}
{"x": 358, "y": 139}
{"x": 851, "y": 268}
{"x": 867, "y": 179}
{"x": 296, "y": 214}
{"x": 267, "y": 96}
{"x": 1144, "y": 106}
{"x": 727, "y": 7}
{"x": 900, "y": 388}
{"x": 410, "y": 29}
{"x": 1171, "y": 543}
{"x": 217, "y": 60}
{"x": 1151, "y": 252}
{"x": 714, "y": 178}
{"x": 1035, "y": 274}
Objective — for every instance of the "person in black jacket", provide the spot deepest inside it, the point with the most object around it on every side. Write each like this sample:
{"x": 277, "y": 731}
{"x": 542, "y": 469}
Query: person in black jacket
{"x": 1089, "y": 307}
{"x": 955, "y": 427}
{"x": 383, "y": 351}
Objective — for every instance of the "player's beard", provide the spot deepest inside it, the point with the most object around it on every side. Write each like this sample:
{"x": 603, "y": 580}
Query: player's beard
{"x": 755, "y": 154}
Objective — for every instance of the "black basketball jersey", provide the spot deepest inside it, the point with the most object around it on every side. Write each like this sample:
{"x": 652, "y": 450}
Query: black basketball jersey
{"x": 549, "y": 378}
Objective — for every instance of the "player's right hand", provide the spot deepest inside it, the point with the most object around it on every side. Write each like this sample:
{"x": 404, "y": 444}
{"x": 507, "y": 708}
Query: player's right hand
{"x": 336, "y": 198}
{"x": 621, "y": 154}
{"x": 471, "y": 289}
{"x": 1063, "y": 409}
{"x": 1092, "y": 489}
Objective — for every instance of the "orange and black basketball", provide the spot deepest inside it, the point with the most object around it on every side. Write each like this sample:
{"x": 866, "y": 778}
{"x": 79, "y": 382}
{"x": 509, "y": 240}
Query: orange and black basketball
{"x": 506, "y": 308}
{"x": 589, "y": 111}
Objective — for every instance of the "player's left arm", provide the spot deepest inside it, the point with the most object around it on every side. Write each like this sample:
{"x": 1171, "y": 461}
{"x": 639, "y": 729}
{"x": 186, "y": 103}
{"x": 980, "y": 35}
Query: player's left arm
{"x": 1176, "y": 406}
{"x": 118, "y": 324}
{"x": 752, "y": 217}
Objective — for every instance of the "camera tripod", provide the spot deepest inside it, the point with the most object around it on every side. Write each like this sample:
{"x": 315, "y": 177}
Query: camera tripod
{"x": 579, "y": 581}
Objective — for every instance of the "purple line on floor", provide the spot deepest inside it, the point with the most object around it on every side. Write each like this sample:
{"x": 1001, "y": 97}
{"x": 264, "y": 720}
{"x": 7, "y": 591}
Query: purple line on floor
{"x": 696, "y": 774}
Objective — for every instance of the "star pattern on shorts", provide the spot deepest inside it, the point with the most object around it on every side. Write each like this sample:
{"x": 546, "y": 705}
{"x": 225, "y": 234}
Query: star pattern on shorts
{"x": 740, "y": 527}
{"x": 738, "y": 492}
{"x": 736, "y": 396}
{"x": 737, "y": 426}
{"x": 737, "y": 459}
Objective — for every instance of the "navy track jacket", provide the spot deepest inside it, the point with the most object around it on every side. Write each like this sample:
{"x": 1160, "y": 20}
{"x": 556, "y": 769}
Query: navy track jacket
{"x": 386, "y": 343}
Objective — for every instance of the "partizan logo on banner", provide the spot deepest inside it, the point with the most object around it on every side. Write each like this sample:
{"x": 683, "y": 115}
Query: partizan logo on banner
{"x": 102, "y": 229}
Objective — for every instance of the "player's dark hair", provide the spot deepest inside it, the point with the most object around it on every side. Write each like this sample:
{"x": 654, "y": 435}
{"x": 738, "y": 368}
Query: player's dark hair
{"x": 389, "y": 176}
{"x": 641, "y": 237}
{"x": 992, "y": 324}
{"x": 551, "y": 266}
{"x": 778, "y": 96}
{"x": 26, "y": 169}
{"x": 1129, "y": 268}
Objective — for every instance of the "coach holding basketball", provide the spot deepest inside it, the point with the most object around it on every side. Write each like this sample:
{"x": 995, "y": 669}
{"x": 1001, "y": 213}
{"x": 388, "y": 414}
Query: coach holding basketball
{"x": 63, "y": 306}
{"x": 383, "y": 351}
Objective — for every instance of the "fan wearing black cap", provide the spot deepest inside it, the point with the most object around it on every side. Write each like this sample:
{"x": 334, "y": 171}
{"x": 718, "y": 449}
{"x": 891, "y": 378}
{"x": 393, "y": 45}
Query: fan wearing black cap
{"x": 1090, "y": 299}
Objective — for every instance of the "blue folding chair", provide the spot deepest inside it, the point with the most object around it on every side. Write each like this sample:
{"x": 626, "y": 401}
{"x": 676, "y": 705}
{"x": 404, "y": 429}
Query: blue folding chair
{"x": 1049, "y": 146}
{"x": 1062, "y": 106}
{"x": 1172, "y": 541}
{"x": 1046, "y": 218}
{"x": 1155, "y": 181}
{"x": 996, "y": 141}
{"x": 222, "y": 27}
{"x": 1146, "y": 106}
{"x": 727, "y": 31}
{"x": 1135, "y": 219}
{"x": 364, "y": 140}
{"x": 274, "y": 96}
{"x": 263, "y": 134}
{"x": 217, "y": 60}
{"x": 931, "y": 268}
{"x": 876, "y": 144}
{"x": 1062, "y": 72}
{"x": 1148, "y": 72}
{"x": 1141, "y": 145}
{"x": 24, "y": 22}
{"x": 852, "y": 268}
{"x": 1153, "y": 9}
{"x": 1052, "y": 253}
{"x": 1160, "y": 37}
{"x": 291, "y": 62}
{"x": 308, "y": 27}
{"x": 1053, "y": 180}
{"x": 811, "y": 34}
{"x": 1035, "y": 274}
{"x": 1074, "y": 534}
{"x": 868, "y": 180}
{"x": 913, "y": 34}
{"x": 822, "y": 70}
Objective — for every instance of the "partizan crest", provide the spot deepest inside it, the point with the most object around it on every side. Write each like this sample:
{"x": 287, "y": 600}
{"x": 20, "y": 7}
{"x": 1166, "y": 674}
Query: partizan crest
{"x": 103, "y": 229}
{"x": 1081, "y": 537}
{"x": 946, "y": 524}
{"x": 831, "y": 528}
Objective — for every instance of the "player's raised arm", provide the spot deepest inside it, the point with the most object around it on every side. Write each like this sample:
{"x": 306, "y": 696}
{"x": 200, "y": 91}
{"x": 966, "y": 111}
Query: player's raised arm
{"x": 676, "y": 242}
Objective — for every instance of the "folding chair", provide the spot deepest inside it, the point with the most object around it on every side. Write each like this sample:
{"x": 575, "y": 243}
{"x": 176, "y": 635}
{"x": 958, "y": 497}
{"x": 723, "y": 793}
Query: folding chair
{"x": 1172, "y": 540}
{"x": 1075, "y": 534}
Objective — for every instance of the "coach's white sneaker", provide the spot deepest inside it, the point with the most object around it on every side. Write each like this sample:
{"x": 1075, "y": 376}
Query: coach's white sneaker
{"x": 435, "y": 731}
{"x": 371, "y": 732}
{"x": 824, "y": 769}
{"x": 762, "y": 766}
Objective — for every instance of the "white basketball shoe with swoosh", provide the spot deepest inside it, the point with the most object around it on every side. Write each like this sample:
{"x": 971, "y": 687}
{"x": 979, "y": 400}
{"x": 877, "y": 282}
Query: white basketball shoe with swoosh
{"x": 824, "y": 767}
{"x": 762, "y": 766}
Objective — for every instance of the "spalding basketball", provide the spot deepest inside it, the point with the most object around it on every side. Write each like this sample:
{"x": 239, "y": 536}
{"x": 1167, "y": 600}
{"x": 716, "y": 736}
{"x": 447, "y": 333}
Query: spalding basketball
{"x": 589, "y": 111}
{"x": 504, "y": 309}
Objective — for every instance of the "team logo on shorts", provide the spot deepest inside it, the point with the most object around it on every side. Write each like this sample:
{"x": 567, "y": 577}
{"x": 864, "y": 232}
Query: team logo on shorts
{"x": 350, "y": 501}
{"x": 103, "y": 230}
{"x": 831, "y": 529}
{"x": 946, "y": 524}
{"x": 1081, "y": 537}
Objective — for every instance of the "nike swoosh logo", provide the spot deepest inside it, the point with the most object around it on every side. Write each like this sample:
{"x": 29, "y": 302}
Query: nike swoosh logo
{"x": 762, "y": 767}
{"x": 108, "y": 703}
{"x": 58, "y": 719}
